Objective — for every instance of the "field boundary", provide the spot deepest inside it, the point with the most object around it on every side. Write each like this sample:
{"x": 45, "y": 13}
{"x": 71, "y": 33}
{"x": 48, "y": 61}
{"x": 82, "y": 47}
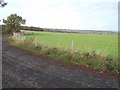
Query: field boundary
{"x": 88, "y": 58}
{"x": 70, "y": 65}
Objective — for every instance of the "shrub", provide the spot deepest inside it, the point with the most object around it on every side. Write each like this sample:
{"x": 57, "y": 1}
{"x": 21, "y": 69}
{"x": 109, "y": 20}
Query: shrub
{"x": 110, "y": 65}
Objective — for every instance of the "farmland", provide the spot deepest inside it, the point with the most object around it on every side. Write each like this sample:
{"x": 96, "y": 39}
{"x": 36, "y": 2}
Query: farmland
{"x": 106, "y": 45}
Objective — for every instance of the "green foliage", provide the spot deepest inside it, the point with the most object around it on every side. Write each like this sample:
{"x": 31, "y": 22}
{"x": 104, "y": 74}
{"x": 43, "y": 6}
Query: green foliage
{"x": 4, "y": 30}
{"x": 13, "y": 23}
{"x": 86, "y": 54}
{"x": 110, "y": 65}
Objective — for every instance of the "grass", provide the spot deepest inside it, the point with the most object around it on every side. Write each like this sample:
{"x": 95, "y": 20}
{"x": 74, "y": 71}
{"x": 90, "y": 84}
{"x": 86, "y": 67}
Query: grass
{"x": 107, "y": 45}
{"x": 91, "y": 58}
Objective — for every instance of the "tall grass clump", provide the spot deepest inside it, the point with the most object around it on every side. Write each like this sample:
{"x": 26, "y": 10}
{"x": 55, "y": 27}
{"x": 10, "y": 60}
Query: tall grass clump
{"x": 110, "y": 64}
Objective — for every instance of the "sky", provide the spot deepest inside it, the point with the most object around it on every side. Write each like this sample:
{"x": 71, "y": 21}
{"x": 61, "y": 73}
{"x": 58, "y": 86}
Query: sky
{"x": 66, "y": 14}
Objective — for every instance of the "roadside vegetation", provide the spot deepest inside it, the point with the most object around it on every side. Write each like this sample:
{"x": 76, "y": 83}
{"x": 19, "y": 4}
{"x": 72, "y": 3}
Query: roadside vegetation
{"x": 106, "y": 45}
{"x": 99, "y": 51}
{"x": 89, "y": 58}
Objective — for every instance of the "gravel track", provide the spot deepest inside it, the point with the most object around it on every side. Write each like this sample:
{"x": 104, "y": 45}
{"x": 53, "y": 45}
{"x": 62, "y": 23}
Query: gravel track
{"x": 21, "y": 70}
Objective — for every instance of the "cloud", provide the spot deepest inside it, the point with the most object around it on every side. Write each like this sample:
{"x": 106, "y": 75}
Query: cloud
{"x": 73, "y": 14}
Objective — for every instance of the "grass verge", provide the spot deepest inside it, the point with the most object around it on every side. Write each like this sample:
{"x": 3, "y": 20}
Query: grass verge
{"x": 90, "y": 58}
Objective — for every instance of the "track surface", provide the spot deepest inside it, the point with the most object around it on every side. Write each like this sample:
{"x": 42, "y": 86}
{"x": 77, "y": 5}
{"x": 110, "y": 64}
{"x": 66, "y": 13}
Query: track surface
{"x": 21, "y": 70}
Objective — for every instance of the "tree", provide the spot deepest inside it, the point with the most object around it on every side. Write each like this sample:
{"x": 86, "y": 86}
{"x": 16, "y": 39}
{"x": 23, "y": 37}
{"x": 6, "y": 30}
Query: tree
{"x": 13, "y": 23}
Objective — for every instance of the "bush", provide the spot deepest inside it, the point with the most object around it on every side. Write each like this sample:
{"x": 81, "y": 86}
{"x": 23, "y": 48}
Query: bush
{"x": 110, "y": 65}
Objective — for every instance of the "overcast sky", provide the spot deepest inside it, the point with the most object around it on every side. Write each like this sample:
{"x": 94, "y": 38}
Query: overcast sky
{"x": 68, "y": 14}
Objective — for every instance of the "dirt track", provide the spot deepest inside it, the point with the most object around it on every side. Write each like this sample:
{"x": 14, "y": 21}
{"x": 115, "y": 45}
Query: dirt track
{"x": 22, "y": 70}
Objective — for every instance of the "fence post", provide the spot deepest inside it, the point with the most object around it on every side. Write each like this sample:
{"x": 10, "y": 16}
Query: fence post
{"x": 73, "y": 45}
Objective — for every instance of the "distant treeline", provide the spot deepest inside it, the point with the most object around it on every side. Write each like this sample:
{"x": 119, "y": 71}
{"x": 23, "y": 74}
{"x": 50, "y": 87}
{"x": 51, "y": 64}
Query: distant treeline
{"x": 5, "y": 31}
{"x": 31, "y": 28}
{"x": 67, "y": 30}
{"x": 80, "y": 31}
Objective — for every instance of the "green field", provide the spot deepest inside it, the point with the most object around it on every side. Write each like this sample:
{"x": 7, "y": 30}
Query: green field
{"x": 105, "y": 44}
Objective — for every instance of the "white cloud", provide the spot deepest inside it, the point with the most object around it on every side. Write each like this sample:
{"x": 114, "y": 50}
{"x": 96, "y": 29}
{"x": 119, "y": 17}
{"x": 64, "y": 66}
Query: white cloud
{"x": 74, "y": 14}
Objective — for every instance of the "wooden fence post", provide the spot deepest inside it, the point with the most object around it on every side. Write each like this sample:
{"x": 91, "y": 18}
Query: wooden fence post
{"x": 73, "y": 45}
